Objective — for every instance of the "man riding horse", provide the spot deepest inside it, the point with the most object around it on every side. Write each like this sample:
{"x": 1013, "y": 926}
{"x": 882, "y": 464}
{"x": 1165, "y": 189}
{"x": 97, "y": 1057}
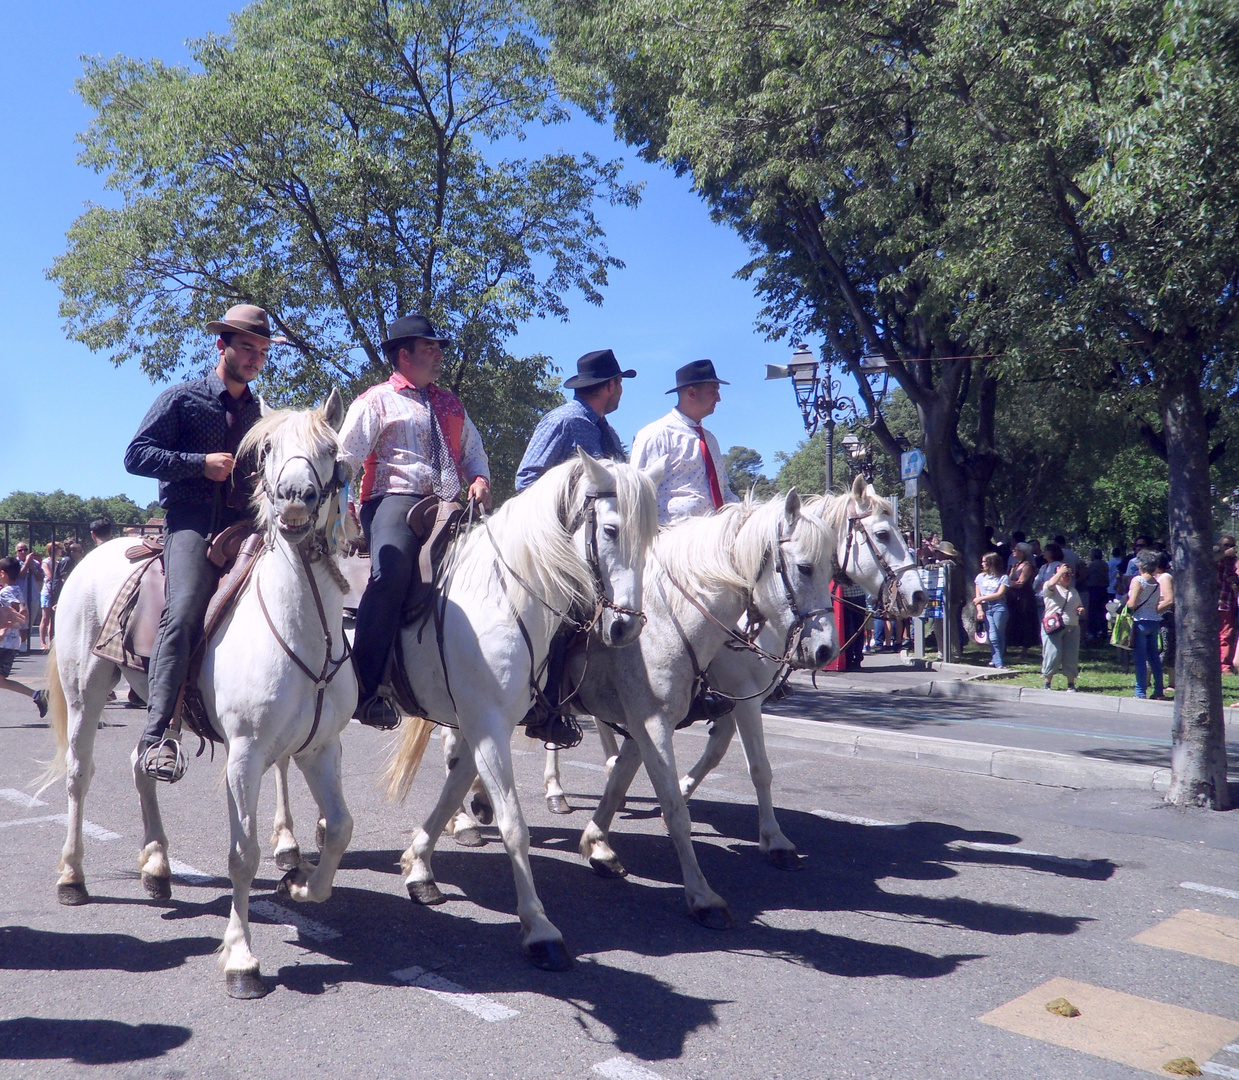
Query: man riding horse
{"x": 415, "y": 442}
{"x": 188, "y": 442}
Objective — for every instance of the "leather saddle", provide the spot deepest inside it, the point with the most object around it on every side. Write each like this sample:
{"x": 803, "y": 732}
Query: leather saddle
{"x": 434, "y": 522}
{"x": 127, "y": 636}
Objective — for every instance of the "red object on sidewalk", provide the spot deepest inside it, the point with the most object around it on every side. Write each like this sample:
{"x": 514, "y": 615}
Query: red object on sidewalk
{"x": 840, "y": 662}
{"x": 1227, "y": 633}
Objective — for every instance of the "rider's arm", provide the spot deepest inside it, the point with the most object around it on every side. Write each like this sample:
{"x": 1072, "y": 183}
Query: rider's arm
{"x": 473, "y": 463}
{"x": 153, "y": 450}
{"x": 360, "y": 431}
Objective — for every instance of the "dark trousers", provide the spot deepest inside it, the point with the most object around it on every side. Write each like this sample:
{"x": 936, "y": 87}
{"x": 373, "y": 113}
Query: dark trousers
{"x": 393, "y": 559}
{"x": 190, "y": 581}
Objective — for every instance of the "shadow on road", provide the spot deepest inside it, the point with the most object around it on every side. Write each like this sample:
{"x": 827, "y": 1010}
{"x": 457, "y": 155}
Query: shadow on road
{"x": 24, "y": 949}
{"x": 89, "y": 1042}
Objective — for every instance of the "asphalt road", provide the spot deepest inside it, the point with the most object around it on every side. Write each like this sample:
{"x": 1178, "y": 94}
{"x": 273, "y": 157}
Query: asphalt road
{"x": 927, "y": 899}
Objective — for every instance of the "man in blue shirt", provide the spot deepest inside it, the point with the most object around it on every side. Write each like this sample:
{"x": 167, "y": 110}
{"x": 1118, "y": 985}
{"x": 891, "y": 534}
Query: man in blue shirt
{"x": 598, "y": 386}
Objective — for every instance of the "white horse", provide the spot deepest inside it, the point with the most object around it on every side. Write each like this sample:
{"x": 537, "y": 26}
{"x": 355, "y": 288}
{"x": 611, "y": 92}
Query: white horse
{"x": 571, "y": 547}
{"x": 276, "y": 680}
{"x": 767, "y": 559}
{"x": 872, "y": 555}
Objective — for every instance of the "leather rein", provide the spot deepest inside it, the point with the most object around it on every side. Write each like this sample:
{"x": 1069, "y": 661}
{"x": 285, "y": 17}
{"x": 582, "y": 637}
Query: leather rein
{"x": 858, "y": 532}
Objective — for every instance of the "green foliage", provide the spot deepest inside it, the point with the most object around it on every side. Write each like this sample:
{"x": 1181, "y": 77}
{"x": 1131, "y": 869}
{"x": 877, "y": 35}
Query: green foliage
{"x": 325, "y": 160}
{"x": 63, "y": 507}
{"x": 744, "y": 473}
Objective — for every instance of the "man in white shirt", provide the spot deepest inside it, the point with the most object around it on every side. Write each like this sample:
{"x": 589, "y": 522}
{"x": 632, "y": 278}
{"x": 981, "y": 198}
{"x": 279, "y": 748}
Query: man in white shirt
{"x": 414, "y": 440}
{"x": 694, "y": 478}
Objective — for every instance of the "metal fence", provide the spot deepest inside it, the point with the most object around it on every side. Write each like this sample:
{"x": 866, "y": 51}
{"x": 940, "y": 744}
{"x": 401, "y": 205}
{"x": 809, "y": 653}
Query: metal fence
{"x": 38, "y": 534}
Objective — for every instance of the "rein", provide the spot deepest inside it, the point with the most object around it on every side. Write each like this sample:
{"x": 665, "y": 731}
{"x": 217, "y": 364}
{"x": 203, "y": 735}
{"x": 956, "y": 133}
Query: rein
{"x": 888, "y": 592}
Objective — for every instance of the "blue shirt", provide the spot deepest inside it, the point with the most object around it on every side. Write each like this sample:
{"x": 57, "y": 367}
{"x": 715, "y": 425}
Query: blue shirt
{"x": 558, "y": 435}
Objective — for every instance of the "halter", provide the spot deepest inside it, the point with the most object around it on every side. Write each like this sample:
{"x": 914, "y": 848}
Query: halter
{"x": 888, "y": 592}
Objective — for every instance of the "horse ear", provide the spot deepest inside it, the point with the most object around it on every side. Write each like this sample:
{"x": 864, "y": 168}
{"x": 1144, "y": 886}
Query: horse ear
{"x": 333, "y": 409}
{"x": 858, "y": 488}
{"x": 594, "y": 470}
{"x": 263, "y": 408}
{"x": 791, "y": 506}
{"x": 656, "y": 471}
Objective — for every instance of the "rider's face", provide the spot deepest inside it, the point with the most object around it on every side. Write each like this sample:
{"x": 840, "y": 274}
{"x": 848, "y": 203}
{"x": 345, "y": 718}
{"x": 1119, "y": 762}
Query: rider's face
{"x": 243, "y": 357}
{"x": 422, "y": 364}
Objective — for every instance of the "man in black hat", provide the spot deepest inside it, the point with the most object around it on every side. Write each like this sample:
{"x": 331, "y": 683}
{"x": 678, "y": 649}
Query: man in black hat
{"x": 187, "y": 442}
{"x": 694, "y": 477}
{"x": 414, "y": 440}
{"x": 598, "y": 386}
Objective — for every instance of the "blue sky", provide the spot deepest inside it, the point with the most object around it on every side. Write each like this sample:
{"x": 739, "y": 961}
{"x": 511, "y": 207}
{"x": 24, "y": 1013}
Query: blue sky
{"x": 70, "y": 413}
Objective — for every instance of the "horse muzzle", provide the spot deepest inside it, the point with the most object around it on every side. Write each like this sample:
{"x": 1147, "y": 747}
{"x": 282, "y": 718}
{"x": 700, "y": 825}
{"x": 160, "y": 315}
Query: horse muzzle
{"x": 294, "y": 519}
{"x": 620, "y": 628}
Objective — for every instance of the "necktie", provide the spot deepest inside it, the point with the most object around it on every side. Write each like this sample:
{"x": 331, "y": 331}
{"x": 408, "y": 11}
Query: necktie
{"x": 716, "y": 492}
{"x": 446, "y": 483}
{"x": 236, "y": 491}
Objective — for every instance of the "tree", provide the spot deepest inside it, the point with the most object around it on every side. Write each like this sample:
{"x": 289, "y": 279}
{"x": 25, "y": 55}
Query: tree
{"x": 63, "y": 507}
{"x": 338, "y": 163}
{"x": 744, "y": 473}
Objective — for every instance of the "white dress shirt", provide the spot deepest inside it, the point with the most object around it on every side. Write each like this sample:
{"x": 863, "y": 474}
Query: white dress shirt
{"x": 685, "y": 487}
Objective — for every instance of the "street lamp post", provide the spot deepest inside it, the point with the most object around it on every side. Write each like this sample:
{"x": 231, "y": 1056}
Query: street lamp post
{"x": 818, "y": 395}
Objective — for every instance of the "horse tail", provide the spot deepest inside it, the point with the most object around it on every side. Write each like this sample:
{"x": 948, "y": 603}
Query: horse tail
{"x": 58, "y": 721}
{"x": 402, "y": 765}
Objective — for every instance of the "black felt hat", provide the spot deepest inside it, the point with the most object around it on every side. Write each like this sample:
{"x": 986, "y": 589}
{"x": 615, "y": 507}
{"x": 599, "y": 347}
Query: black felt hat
{"x": 698, "y": 371}
{"x": 413, "y": 326}
{"x": 596, "y": 367}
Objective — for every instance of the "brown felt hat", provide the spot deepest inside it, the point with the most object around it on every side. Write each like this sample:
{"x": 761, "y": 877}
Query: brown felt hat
{"x": 948, "y": 549}
{"x": 248, "y": 319}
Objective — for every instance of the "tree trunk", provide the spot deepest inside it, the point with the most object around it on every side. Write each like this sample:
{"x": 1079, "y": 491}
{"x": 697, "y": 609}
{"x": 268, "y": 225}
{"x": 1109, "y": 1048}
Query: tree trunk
{"x": 1198, "y": 754}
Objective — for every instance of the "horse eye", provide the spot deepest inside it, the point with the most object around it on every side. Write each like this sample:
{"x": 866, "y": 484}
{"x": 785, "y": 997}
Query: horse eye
{"x": 806, "y": 569}
{"x": 883, "y": 536}
{"x": 611, "y": 532}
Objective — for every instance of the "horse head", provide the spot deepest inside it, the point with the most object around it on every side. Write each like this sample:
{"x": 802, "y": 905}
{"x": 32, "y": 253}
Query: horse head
{"x": 792, "y": 591}
{"x": 616, "y": 521}
{"x": 874, "y": 554}
{"x": 299, "y": 477}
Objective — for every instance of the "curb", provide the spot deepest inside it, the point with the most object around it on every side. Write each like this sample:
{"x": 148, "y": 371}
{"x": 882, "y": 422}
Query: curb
{"x": 983, "y": 759}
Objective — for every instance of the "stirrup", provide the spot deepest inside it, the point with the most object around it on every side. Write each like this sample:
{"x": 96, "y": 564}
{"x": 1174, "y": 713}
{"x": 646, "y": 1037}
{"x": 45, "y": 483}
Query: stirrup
{"x": 554, "y": 730}
{"x": 378, "y": 712}
{"x": 165, "y": 761}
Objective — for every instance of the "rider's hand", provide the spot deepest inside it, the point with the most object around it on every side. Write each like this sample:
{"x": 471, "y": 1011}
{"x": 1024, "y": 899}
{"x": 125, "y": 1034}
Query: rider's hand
{"x": 217, "y": 466}
{"x": 479, "y": 492}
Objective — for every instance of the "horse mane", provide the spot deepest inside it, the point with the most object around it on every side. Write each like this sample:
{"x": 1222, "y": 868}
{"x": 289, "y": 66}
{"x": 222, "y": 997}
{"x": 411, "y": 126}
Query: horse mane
{"x": 306, "y": 429}
{"x": 532, "y": 533}
{"x": 726, "y": 549}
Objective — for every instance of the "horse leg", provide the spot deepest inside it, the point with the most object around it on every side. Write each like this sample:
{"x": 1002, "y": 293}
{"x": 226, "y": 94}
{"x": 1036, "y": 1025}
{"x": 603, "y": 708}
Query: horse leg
{"x": 556, "y": 800}
{"x": 542, "y": 941}
{"x": 283, "y": 842}
{"x": 321, "y": 769}
{"x": 85, "y": 705}
{"x": 462, "y": 828}
{"x": 595, "y": 844}
{"x": 610, "y": 744}
{"x": 415, "y": 862}
{"x": 241, "y": 971}
{"x": 777, "y": 848}
{"x": 654, "y": 737}
{"x": 721, "y": 731}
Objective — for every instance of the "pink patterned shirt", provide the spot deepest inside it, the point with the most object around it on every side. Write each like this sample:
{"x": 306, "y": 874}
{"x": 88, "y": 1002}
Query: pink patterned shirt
{"x": 387, "y": 429}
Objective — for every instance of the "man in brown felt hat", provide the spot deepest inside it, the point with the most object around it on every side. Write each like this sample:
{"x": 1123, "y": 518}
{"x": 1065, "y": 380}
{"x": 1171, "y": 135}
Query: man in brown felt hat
{"x": 187, "y": 442}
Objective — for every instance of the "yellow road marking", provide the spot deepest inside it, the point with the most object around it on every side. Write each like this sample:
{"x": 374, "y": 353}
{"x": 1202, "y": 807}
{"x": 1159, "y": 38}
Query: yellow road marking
{"x": 1198, "y": 933}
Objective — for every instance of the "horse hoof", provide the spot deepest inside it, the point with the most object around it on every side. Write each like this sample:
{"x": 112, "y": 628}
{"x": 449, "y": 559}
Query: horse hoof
{"x": 157, "y": 888}
{"x": 715, "y": 918}
{"x": 607, "y": 868}
{"x": 246, "y": 985}
{"x": 549, "y": 955}
{"x": 557, "y": 804}
{"x": 426, "y": 893}
{"x": 482, "y": 809}
{"x": 784, "y": 859}
{"x": 286, "y": 883}
{"x": 73, "y": 894}
{"x": 288, "y": 858}
{"x": 468, "y": 836}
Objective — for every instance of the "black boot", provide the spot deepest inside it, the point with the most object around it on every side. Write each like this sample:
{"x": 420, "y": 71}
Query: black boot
{"x": 378, "y": 712}
{"x": 708, "y": 705}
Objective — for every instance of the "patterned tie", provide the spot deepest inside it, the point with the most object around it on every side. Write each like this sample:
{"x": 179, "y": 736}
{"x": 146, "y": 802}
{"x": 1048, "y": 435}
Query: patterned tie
{"x": 716, "y": 492}
{"x": 447, "y": 483}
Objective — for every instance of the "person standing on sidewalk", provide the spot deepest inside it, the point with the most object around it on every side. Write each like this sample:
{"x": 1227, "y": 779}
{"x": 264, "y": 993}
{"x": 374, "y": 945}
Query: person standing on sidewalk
{"x": 991, "y": 604}
{"x": 1228, "y": 610}
{"x": 30, "y": 584}
{"x": 1060, "y": 649}
{"x": 1145, "y": 602}
{"x": 1096, "y": 582}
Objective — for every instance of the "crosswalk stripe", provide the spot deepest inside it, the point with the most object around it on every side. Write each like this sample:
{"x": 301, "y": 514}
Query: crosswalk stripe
{"x": 618, "y": 1068}
{"x": 1196, "y": 933}
{"x": 294, "y": 920}
{"x": 446, "y": 990}
{"x": 20, "y": 798}
{"x": 1213, "y": 890}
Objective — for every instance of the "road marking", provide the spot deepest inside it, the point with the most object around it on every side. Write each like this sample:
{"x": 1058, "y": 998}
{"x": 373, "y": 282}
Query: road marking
{"x": 1213, "y": 890}
{"x": 445, "y": 990}
{"x": 1006, "y": 849}
{"x": 1233, "y": 1048}
{"x": 618, "y": 1068}
{"x": 88, "y": 827}
{"x": 852, "y": 819}
{"x": 188, "y": 874}
{"x": 585, "y": 765}
{"x": 1197, "y": 933}
{"x": 1212, "y": 1068}
{"x": 1117, "y": 1027}
{"x": 20, "y": 798}
{"x": 293, "y": 920}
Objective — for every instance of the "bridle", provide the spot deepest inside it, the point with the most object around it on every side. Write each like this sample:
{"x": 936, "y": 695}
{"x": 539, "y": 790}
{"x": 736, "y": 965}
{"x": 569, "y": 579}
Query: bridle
{"x": 888, "y": 591}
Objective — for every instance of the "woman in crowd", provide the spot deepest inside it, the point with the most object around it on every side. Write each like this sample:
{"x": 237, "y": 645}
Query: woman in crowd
{"x": 991, "y": 604}
{"x": 1096, "y": 584}
{"x": 1166, "y": 580}
{"x": 1060, "y": 648}
{"x": 1146, "y": 604}
{"x": 1021, "y": 610}
{"x": 45, "y": 594}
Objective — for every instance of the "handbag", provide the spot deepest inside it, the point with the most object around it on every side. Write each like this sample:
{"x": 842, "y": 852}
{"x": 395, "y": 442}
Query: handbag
{"x": 1124, "y": 627}
{"x": 1052, "y": 623}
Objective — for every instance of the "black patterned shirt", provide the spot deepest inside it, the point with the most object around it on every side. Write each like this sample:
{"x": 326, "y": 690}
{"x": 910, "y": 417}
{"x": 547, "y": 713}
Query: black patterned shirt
{"x": 186, "y": 423}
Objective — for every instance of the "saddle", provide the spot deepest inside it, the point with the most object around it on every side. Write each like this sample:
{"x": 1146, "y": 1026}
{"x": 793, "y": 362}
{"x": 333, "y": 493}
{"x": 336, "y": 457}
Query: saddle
{"x": 127, "y": 636}
{"x": 434, "y": 522}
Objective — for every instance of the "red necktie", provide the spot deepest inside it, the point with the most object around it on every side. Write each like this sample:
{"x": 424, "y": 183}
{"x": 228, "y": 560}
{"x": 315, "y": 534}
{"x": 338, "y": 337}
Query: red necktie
{"x": 716, "y": 492}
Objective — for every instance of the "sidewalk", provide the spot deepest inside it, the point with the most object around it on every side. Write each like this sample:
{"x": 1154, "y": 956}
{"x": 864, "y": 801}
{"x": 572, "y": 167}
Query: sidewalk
{"x": 938, "y": 718}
